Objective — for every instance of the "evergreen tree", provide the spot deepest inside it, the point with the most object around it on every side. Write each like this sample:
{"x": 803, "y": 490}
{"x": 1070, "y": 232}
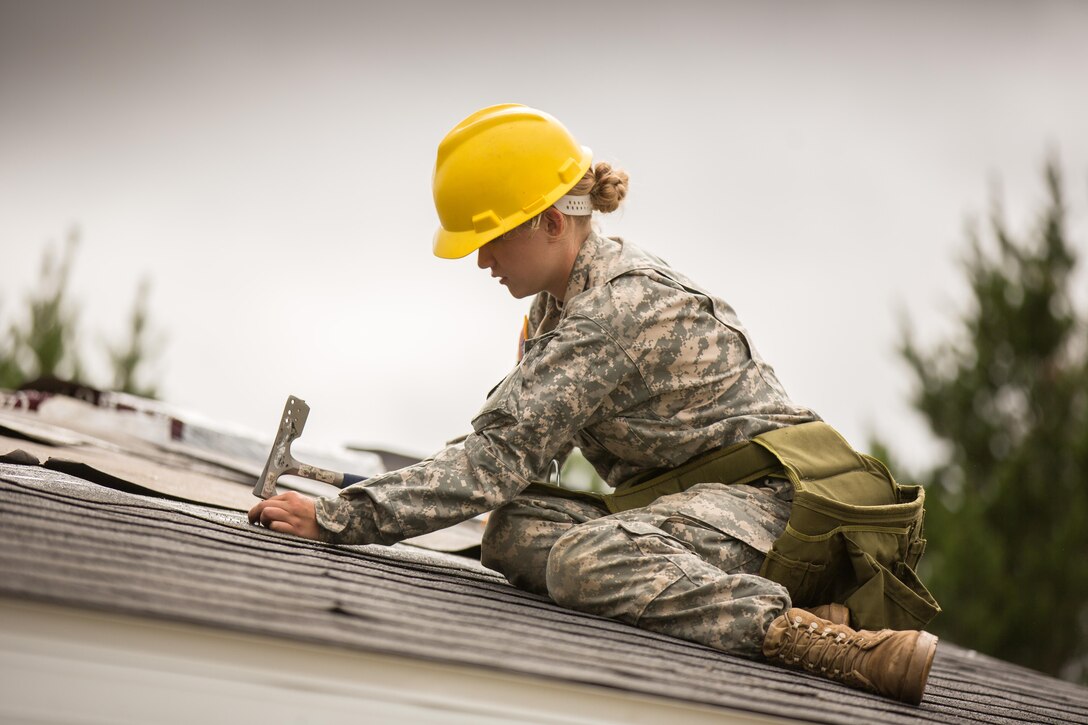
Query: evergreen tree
{"x": 130, "y": 357}
{"x": 1007, "y": 510}
{"x": 10, "y": 374}
{"x": 43, "y": 344}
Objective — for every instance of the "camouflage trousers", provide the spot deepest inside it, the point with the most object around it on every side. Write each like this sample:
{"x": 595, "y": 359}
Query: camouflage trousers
{"x": 686, "y": 565}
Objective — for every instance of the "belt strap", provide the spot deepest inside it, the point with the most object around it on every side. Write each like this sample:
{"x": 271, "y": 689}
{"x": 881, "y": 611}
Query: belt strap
{"x": 742, "y": 462}
{"x": 739, "y": 463}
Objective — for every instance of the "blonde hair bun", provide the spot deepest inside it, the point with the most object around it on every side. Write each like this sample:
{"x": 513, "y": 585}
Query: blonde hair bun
{"x": 609, "y": 187}
{"x": 605, "y": 186}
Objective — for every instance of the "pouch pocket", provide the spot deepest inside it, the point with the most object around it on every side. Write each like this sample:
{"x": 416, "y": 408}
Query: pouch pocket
{"x": 885, "y": 600}
{"x": 915, "y": 549}
{"x": 804, "y": 580}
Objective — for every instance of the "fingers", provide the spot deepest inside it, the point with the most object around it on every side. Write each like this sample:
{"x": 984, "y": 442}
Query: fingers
{"x": 281, "y": 519}
{"x": 255, "y": 512}
{"x": 281, "y": 527}
{"x": 280, "y": 500}
{"x": 275, "y": 513}
{"x": 276, "y": 501}
{"x": 290, "y": 513}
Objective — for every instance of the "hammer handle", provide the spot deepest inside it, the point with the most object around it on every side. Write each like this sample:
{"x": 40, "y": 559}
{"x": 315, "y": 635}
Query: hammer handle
{"x": 320, "y": 474}
{"x": 314, "y": 473}
{"x": 326, "y": 476}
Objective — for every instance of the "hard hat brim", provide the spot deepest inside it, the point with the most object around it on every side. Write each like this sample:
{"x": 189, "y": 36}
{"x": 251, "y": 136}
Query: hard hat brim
{"x": 455, "y": 245}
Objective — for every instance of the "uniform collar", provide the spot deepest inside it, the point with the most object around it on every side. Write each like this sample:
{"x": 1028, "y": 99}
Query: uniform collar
{"x": 589, "y": 270}
{"x": 587, "y": 266}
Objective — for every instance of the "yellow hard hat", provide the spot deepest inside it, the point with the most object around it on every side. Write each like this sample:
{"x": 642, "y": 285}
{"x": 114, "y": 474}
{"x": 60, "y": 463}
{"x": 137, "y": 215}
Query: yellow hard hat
{"x": 498, "y": 168}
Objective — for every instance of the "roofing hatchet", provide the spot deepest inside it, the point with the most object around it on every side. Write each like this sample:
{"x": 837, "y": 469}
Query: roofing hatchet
{"x": 280, "y": 460}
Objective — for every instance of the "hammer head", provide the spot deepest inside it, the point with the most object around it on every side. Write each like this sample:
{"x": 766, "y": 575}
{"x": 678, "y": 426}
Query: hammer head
{"x": 280, "y": 460}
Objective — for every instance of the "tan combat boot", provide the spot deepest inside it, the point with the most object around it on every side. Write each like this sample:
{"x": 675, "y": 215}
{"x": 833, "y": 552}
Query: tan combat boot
{"x": 890, "y": 663}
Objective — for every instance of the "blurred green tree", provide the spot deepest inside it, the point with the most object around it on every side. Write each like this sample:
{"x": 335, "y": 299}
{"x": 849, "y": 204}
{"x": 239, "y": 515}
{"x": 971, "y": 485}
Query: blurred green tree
{"x": 132, "y": 355}
{"x": 43, "y": 343}
{"x": 1007, "y": 508}
{"x": 10, "y": 375}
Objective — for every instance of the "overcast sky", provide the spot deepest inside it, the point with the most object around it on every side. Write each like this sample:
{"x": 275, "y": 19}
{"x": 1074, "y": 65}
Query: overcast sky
{"x": 267, "y": 166}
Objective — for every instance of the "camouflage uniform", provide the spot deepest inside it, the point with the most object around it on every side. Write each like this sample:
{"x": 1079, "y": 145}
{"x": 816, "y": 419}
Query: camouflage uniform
{"x": 642, "y": 370}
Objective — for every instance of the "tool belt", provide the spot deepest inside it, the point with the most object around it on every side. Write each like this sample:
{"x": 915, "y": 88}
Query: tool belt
{"x": 854, "y": 534}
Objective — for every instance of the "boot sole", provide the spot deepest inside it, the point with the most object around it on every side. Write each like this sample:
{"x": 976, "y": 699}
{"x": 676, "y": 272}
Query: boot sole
{"x": 918, "y": 668}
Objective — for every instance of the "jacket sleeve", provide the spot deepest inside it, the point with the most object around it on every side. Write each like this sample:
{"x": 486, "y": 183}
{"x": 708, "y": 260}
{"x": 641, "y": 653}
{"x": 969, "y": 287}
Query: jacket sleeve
{"x": 528, "y": 419}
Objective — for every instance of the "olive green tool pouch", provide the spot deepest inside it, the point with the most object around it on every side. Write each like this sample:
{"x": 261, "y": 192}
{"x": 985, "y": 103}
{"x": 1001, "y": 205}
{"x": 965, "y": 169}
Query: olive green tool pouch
{"x": 854, "y": 534}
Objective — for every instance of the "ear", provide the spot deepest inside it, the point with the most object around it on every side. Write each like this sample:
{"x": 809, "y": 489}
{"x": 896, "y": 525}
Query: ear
{"x": 554, "y": 222}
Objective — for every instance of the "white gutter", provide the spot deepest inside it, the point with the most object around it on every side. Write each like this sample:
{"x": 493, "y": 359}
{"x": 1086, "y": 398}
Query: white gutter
{"x": 65, "y": 665}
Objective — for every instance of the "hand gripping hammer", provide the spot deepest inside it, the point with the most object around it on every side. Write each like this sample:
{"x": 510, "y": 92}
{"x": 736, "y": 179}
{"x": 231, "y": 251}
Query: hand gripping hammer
{"x": 280, "y": 461}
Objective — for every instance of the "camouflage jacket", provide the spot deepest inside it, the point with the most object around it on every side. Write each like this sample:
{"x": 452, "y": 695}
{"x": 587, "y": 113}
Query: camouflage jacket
{"x": 638, "y": 367}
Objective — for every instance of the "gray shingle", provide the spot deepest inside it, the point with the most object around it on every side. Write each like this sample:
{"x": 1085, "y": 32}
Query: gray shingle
{"x": 67, "y": 541}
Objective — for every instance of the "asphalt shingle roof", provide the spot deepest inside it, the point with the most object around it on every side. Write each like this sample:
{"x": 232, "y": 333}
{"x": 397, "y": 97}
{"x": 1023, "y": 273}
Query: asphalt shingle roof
{"x": 66, "y": 541}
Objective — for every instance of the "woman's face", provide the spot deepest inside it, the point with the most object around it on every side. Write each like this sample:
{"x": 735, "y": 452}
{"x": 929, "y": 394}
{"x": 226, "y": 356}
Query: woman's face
{"x": 522, "y": 260}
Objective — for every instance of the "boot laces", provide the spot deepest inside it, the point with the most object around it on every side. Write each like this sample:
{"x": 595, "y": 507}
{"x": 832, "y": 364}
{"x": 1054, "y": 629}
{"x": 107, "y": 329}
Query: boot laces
{"x": 823, "y": 650}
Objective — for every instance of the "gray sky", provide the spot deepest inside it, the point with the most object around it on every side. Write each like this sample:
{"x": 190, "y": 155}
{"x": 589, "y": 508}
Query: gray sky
{"x": 268, "y": 166}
